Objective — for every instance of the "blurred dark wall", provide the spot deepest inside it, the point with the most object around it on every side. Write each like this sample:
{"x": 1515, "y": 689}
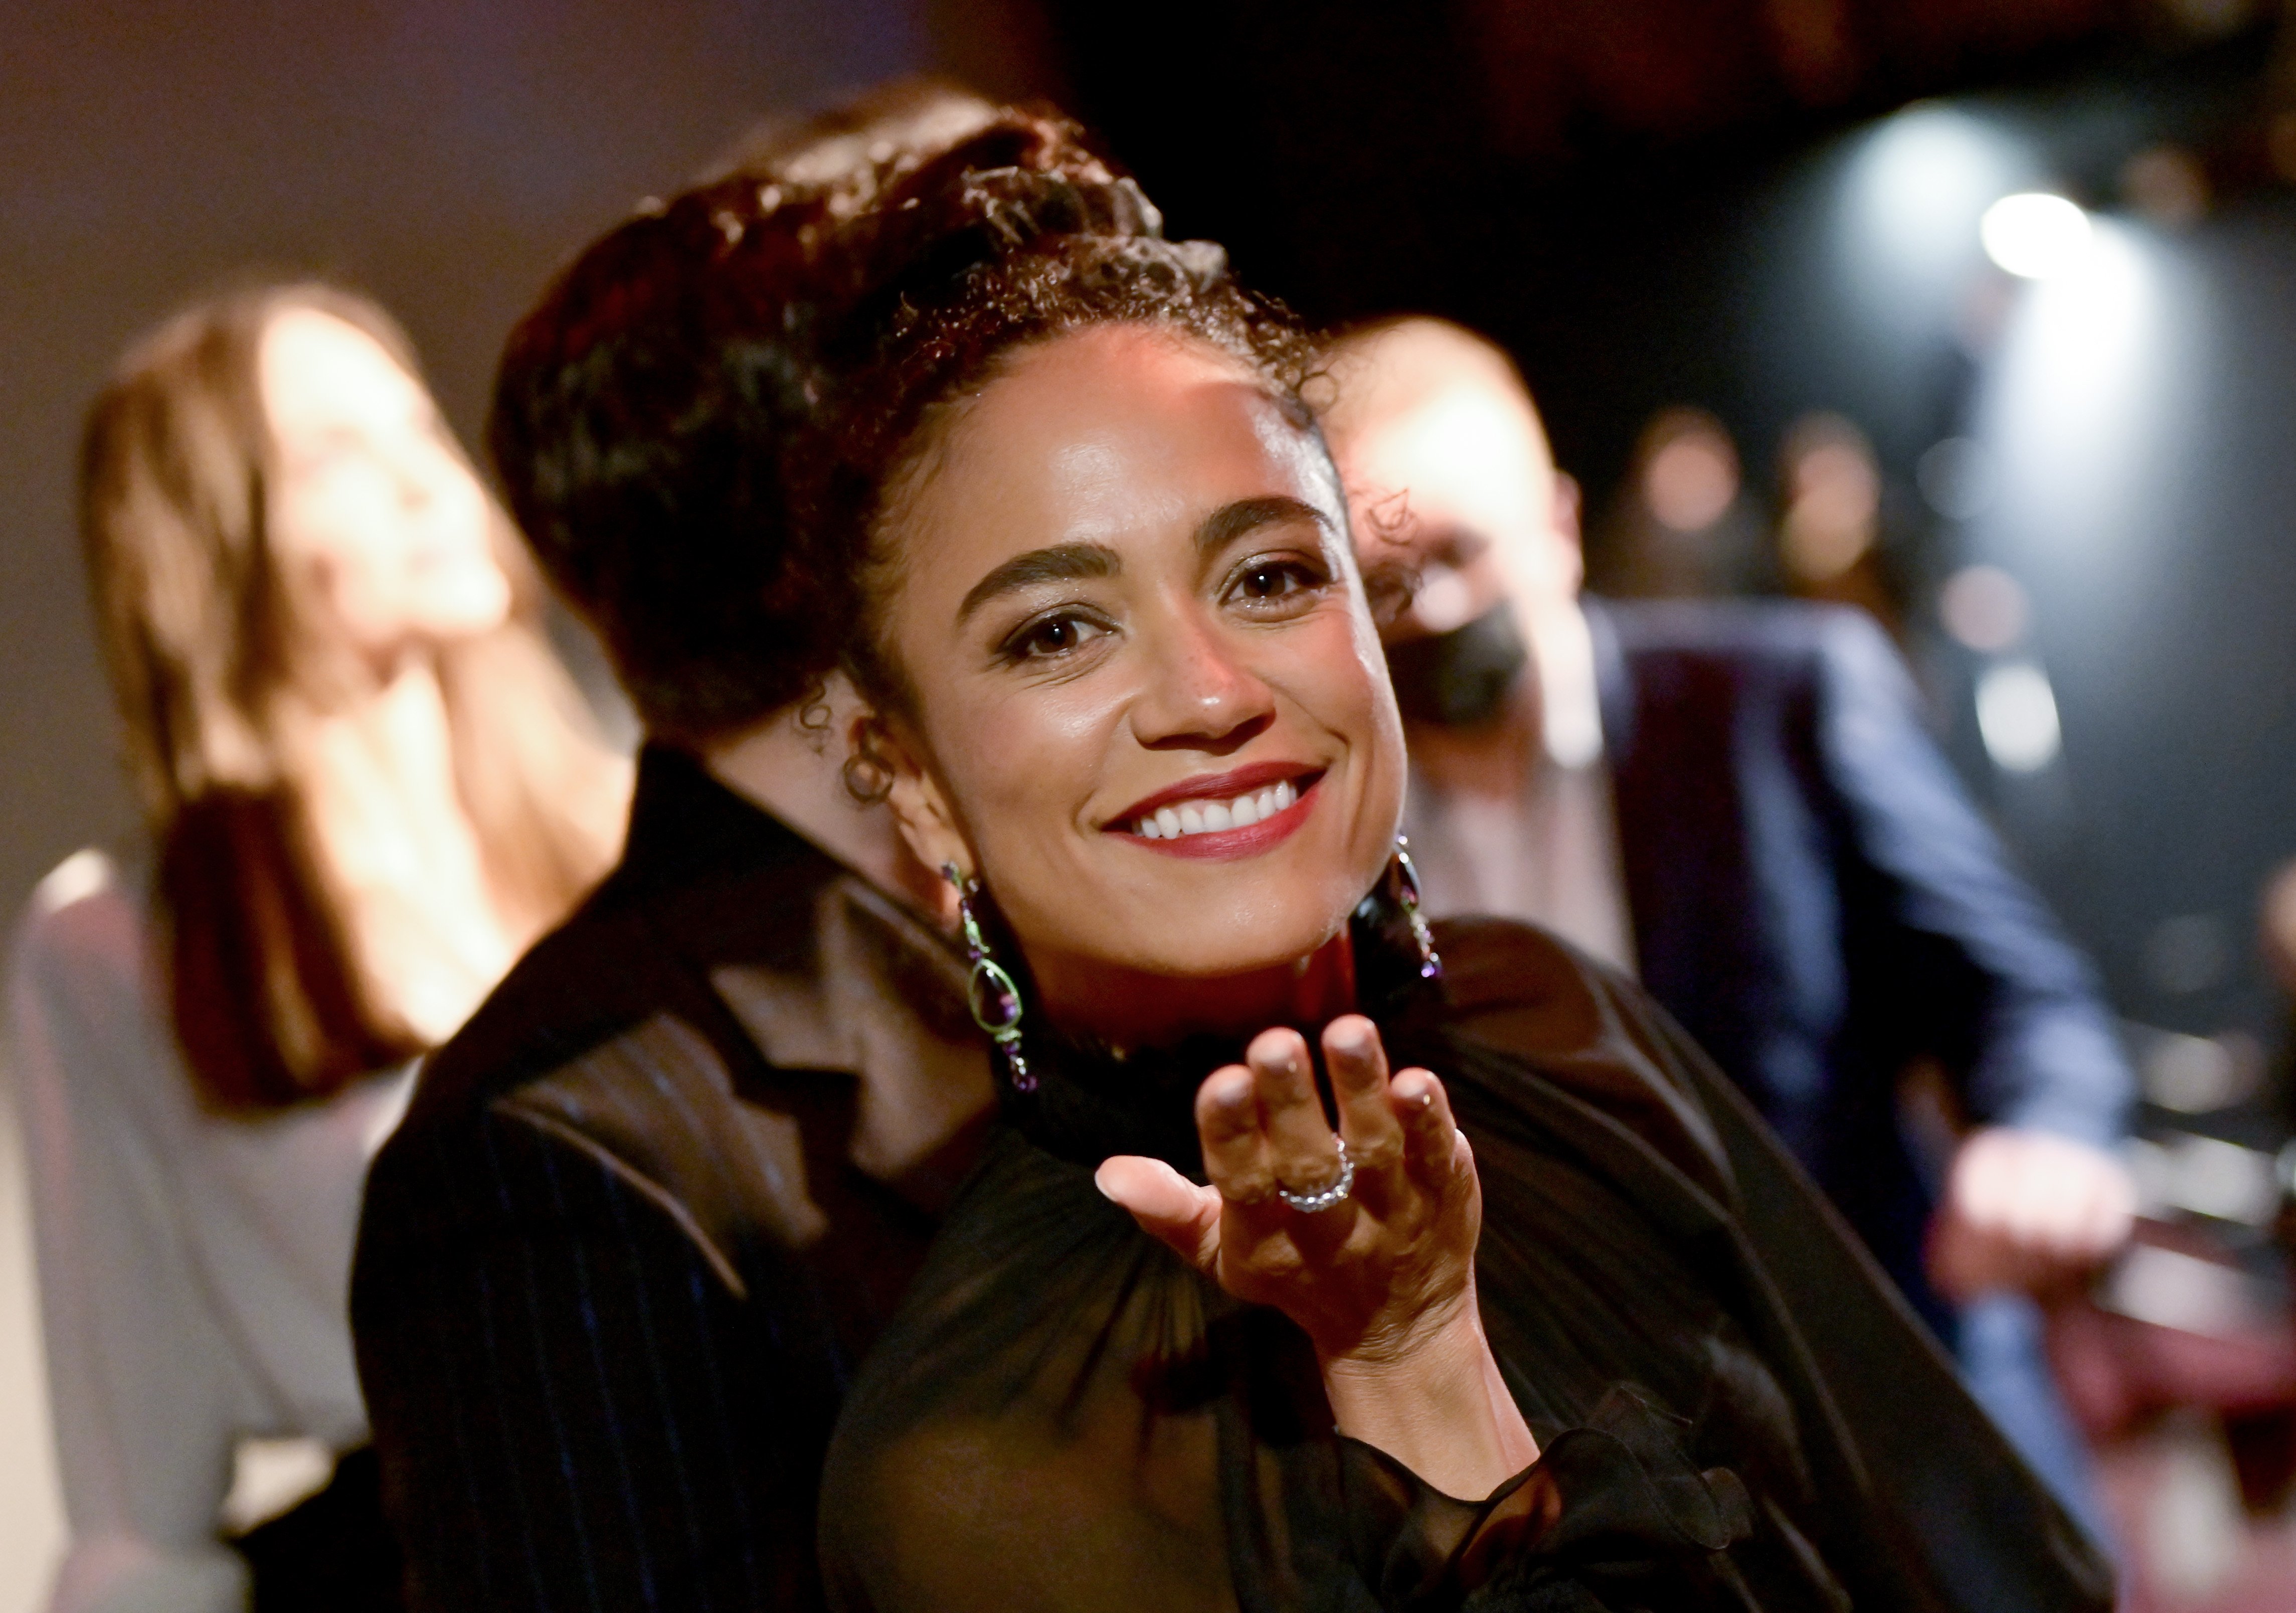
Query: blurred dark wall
{"x": 444, "y": 156}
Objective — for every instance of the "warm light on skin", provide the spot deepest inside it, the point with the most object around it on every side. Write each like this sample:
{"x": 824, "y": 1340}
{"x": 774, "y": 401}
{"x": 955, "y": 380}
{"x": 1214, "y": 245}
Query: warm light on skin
{"x": 374, "y": 515}
{"x": 1056, "y": 705}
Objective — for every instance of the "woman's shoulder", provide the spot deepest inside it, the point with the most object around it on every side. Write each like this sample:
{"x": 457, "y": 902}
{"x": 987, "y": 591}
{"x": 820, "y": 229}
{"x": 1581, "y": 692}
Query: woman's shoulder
{"x": 1544, "y": 1007}
{"x": 81, "y": 1006}
{"x": 87, "y": 921}
{"x": 1525, "y": 984}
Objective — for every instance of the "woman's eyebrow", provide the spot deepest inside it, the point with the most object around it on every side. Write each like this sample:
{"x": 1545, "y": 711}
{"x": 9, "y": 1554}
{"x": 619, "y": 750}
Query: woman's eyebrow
{"x": 1231, "y": 521}
{"x": 1062, "y": 562}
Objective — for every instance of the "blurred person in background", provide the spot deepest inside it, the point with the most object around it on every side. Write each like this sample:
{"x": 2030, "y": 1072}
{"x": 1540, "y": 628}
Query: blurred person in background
{"x": 1739, "y": 801}
{"x": 1833, "y": 544}
{"x": 1682, "y": 527}
{"x": 368, "y": 787}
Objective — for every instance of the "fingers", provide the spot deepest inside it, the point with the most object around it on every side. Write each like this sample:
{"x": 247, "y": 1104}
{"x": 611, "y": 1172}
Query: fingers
{"x": 1433, "y": 1146}
{"x": 2027, "y": 1210}
{"x": 1300, "y": 1153}
{"x": 1357, "y": 1062}
{"x": 2051, "y": 1199}
{"x": 1227, "y": 1125}
{"x": 1167, "y": 1204}
{"x": 1263, "y": 1126}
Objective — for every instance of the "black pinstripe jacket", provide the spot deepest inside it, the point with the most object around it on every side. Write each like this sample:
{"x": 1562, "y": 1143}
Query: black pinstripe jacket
{"x": 616, "y": 1266}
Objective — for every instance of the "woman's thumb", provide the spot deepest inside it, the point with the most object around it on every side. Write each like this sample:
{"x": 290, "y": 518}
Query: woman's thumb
{"x": 1167, "y": 1204}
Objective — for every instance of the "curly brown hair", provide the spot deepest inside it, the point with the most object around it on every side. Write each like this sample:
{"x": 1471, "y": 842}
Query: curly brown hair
{"x": 704, "y": 425}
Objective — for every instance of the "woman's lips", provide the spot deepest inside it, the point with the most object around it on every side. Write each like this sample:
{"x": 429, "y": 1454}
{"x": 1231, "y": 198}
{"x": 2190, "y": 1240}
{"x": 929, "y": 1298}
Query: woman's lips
{"x": 1276, "y": 809}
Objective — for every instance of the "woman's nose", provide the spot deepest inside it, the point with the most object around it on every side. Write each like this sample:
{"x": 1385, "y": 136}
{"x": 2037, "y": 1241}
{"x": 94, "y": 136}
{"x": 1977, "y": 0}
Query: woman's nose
{"x": 1200, "y": 693}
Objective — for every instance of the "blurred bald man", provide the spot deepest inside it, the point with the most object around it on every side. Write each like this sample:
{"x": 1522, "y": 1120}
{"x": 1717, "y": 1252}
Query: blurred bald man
{"x": 1738, "y": 802}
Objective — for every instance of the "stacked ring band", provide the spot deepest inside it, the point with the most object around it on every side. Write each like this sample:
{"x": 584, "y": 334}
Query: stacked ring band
{"x": 1328, "y": 1197}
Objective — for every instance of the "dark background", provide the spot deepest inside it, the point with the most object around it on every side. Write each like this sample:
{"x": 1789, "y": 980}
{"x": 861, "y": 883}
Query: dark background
{"x": 1650, "y": 201}
{"x": 1768, "y": 209}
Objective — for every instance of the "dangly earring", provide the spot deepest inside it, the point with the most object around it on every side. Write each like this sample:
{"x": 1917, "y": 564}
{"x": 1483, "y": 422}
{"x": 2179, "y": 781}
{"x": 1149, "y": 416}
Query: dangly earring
{"x": 1430, "y": 962}
{"x": 990, "y": 993}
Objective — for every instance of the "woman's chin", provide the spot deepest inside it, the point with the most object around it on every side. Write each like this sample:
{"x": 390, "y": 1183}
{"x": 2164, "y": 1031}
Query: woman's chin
{"x": 1206, "y": 943}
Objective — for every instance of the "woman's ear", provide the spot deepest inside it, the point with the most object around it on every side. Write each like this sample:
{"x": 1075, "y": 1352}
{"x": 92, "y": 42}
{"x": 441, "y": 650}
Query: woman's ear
{"x": 913, "y": 795}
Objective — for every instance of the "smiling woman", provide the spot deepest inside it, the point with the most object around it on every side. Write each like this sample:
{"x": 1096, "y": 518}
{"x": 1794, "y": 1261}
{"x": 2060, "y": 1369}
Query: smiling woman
{"x": 1186, "y": 637}
{"x": 1327, "y": 1260}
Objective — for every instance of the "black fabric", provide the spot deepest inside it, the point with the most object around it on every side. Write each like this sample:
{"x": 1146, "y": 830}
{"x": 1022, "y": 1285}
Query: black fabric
{"x": 329, "y": 1553}
{"x": 1817, "y": 902}
{"x": 1734, "y": 1409}
{"x": 616, "y": 1268}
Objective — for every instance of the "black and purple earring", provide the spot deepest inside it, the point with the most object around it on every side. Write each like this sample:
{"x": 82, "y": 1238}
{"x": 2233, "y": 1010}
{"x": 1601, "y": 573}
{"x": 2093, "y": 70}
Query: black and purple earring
{"x": 990, "y": 993}
{"x": 1430, "y": 962}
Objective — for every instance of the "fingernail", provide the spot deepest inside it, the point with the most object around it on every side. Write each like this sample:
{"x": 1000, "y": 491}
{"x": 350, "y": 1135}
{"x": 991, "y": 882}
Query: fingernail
{"x": 1102, "y": 1185}
{"x": 1354, "y": 1038}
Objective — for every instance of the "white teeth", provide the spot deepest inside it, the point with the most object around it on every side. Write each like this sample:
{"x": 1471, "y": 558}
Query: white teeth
{"x": 1208, "y": 816}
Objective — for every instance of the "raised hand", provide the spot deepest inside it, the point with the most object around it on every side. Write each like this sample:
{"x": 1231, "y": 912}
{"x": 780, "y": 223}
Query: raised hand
{"x": 2025, "y": 1211}
{"x": 1382, "y": 1281}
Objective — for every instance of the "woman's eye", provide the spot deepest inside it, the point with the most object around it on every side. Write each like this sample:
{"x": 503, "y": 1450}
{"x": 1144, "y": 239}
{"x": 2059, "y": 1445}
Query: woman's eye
{"x": 1274, "y": 581}
{"x": 1052, "y": 635}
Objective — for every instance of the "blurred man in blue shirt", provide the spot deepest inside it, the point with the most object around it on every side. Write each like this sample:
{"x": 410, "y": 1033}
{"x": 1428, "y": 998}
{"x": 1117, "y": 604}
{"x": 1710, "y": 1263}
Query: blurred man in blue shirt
{"x": 1737, "y": 801}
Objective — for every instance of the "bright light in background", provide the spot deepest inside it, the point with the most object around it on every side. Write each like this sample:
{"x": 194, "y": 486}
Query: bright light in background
{"x": 2080, "y": 407}
{"x": 2017, "y": 717}
{"x": 1914, "y": 192}
{"x": 2036, "y": 235}
{"x": 1925, "y": 176}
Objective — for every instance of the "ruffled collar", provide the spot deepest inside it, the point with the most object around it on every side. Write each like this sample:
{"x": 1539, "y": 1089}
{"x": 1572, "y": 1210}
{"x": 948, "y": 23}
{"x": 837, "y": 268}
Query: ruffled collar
{"x": 1091, "y": 1101}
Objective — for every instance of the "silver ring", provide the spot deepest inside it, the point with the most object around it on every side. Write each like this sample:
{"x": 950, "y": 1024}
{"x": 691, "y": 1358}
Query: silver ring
{"x": 1327, "y": 1198}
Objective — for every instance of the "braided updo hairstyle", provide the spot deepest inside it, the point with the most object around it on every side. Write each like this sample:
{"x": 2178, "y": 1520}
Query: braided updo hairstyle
{"x": 703, "y": 425}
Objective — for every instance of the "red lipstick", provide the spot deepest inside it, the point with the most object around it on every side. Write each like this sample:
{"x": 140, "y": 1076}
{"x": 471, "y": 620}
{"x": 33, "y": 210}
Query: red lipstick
{"x": 1223, "y": 845}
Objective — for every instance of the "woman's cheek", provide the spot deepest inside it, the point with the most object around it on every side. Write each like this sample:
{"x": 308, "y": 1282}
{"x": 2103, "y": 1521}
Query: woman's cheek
{"x": 1015, "y": 754}
{"x": 1347, "y": 690}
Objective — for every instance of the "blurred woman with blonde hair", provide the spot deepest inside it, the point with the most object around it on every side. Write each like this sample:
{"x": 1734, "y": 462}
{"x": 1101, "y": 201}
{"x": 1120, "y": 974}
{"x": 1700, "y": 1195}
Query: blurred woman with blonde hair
{"x": 369, "y": 787}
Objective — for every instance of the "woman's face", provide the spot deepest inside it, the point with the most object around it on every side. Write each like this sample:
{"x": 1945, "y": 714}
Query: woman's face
{"x": 375, "y": 518}
{"x": 1153, "y": 712}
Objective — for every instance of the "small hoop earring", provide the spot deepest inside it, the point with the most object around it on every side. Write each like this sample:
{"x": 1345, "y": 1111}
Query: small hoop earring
{"x": 1430, "y": 962}
{"x": 990, "y": 993}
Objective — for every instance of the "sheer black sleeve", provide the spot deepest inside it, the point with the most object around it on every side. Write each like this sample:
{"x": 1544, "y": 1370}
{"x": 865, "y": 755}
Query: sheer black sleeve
{"x": 1611, "y": 1514}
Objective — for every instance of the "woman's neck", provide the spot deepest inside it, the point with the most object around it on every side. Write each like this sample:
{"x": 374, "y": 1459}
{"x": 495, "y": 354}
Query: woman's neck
{"x": 1128, "y": 1009}
{"x": 400, "y": 853}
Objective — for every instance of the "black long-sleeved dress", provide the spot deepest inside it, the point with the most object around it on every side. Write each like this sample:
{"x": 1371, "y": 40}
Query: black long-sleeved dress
{"x": 1734, "y": 1409}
